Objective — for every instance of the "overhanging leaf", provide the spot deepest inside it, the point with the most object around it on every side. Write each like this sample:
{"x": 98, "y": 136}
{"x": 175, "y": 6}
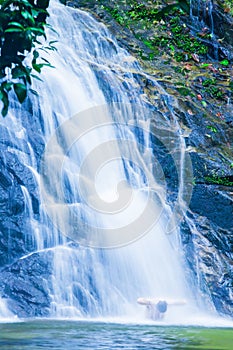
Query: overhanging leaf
{"x": 5, "y": 101}
{"x": 13, "y": 30}
{"x": 18, "y": 72}
{"x": 28, "y": 16}
{"x": 36, "y": 77}
{"x": 21, "y": 91}
{"x": 34, "y": 92}
{"x": 16, "y": 24}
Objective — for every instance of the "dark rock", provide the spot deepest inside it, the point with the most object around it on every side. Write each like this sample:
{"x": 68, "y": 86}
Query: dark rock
{"x": 214, "y": 204}
{"x": 25, "y": 284}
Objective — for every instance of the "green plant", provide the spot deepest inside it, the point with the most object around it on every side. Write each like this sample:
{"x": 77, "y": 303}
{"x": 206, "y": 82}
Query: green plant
{"x": 212, "y": 128}
{"x": 224, "y": 62}
{"x": 119, "y": 16}
{"x": 210, "y": 87}
{"x": 141, "y": 11}
{"x": 219, "y": 180}
{"x": 22, "y": 24}
{"x": 208, "y": 82}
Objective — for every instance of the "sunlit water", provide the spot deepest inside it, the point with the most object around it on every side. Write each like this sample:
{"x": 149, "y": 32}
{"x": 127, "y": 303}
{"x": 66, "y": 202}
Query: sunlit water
{"x": 67, "y": 335}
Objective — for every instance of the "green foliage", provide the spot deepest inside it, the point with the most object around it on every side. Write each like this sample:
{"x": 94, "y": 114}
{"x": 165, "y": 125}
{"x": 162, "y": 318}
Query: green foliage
{"x": 167, "y": 37}
{"x": 212, "y": 128}
{"x": 140, "y": 11}
{"x": 224, "y": 62}
{"x": 22, "y": 24}
{"x": 179, "y": 43}
{"x": 208, "y": 82}
{"x": 219, "y": 180}
{"x": 210, "y": 86}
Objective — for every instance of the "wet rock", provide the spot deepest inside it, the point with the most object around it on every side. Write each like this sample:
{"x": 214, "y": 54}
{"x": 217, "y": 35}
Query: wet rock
{"x": 215, "y": 204}
{"x": 14, "y": 226}
{"x": 208, "y": 250}
{"x": 25, "y": 284}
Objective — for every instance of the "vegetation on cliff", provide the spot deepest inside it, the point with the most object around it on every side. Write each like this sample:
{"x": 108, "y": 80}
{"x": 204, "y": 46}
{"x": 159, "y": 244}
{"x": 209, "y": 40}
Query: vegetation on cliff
{"x": 189, "y": 52}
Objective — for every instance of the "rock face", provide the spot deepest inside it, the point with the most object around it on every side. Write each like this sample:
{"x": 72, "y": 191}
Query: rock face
{"x": 27, "y": 286}
{"x": 22, "y": 281}
{"x": 26, "y": 278}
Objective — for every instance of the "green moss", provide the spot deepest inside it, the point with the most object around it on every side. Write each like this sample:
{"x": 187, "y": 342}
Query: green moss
{"x": 165, "y": 37}
{"x": 211, "y": 88}
{"x": 172, "y": 37}
{"x": 219, "y": 180}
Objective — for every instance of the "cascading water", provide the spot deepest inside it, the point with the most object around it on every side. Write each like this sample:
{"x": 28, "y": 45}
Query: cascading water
{"x": 90, "y": 162}
{"x": 201, "y": 14}
{"x": 202, "y": 11}
{"x": 5, "y": 314}
{"x": 94, "y": 71}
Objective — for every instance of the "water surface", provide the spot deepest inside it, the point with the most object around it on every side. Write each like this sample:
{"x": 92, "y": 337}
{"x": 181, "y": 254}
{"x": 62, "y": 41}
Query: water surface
{"x": 65, "y": 335}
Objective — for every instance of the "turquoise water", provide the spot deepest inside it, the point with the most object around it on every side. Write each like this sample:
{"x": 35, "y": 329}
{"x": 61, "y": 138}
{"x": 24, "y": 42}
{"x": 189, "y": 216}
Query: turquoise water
{"x": 67, "y": 335}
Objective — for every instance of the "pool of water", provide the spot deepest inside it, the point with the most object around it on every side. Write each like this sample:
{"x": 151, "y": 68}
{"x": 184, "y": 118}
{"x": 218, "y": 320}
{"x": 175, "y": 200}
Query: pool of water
{"x": 65, "y": 335}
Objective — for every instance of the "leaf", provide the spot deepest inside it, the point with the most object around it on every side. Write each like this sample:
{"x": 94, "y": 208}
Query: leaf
{"x": 35, "y": 12}
{"x": 204, "y": 104}
{"x": 18, "y": 72}
{"x": 21, "y": 91}
{"x": 36, "y": 30}
{"x": 6, "y": 86}
{"x": 212, "y": 128}
{"x": 224, "y": 62}
{"x": 38, "y": 42}
{"x": 44, "y": 59}
{"x": 28, "y": 79}
{"x": 5, "y": 101}
{"x": 36, "y": 77}
{"x": 204, "y": 65}
{"x": 34, "y": 92}
{"x": 35, "y": 54}
{"x": 50, "y": 48}
{"x": 183, "y": 91}
{"x": 5, "y": 109}
{"x": 27, "y": 15}
{"x": 51, "y": 28}
{"x": 13, "y": 30}
{"x": 25, "y": 2}
{"x": 37, "y": 67}
{"x": 16, "y": 24}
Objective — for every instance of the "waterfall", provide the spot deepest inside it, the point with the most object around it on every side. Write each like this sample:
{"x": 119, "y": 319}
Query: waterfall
{"x": 104, "y": 207}
{"x": 103, "y": 143}
{"x": 201, "y": 11}
{"x": 5, "y": 314}
{"x": 201, "y": 14}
